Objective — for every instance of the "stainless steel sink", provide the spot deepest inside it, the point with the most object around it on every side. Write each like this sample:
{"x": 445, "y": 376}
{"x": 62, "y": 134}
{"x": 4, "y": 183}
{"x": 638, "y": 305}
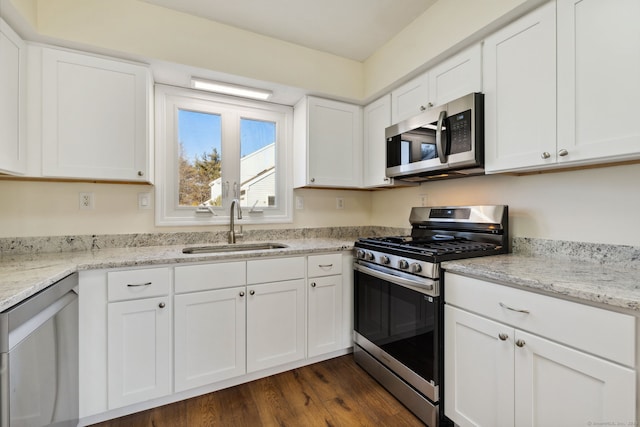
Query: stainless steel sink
{"x": 242, "y": 247}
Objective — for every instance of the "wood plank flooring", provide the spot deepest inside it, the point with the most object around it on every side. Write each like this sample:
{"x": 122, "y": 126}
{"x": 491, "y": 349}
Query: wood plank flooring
{"x": 336, "y": 392}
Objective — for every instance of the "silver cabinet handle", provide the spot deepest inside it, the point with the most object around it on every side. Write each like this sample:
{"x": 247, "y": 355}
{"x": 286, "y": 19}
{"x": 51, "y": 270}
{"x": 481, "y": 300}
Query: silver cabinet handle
{"x": 503, "y": 336}
{"x": 162, "y": 305}
{"x": 135, "y": 285}
{"x": 313, "y": 284}
{"x": 241, "y": 293}
{"x": 140, "y": 173}
{"x": 252, "y": 292}
{"x": 325, "y": 265}
{"x": 514, "y": 309}
{"x": 545, "y": 155}
{"x": 562, "y": 152}
{"x": 520, "y": 343}
{"x": 313, "y": 180}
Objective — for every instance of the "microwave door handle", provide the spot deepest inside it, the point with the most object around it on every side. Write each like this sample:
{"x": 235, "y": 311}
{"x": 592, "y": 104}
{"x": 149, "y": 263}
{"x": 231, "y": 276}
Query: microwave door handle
{"x": 442, "y": 154}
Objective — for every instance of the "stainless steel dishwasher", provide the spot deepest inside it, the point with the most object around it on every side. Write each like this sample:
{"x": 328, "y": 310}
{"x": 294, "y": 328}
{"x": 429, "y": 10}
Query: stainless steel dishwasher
{"x": 39, "y": 359}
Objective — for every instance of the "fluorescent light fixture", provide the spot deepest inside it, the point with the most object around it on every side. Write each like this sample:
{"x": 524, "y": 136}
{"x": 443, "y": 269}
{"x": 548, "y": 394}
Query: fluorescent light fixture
{"x": 229, "y": 89}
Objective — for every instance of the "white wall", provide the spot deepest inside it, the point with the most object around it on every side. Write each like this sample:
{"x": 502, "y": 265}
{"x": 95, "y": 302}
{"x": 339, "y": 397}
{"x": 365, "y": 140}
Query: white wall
{"x": 52, "y": 209}
{"x": 592, "y": 205}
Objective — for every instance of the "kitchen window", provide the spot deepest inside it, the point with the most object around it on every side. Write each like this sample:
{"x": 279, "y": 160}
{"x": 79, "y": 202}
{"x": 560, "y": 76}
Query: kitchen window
{"x": 212, "y": 149}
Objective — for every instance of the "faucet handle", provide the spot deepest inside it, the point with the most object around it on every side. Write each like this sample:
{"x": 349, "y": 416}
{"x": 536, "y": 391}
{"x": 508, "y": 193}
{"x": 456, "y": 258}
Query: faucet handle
{"x": 239, "y": 234}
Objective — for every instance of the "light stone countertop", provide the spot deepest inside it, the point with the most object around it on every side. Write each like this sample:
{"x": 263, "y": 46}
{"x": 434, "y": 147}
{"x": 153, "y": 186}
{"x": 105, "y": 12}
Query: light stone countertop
{"x": 23, "y": 275}
{"x": 613, "y": 284}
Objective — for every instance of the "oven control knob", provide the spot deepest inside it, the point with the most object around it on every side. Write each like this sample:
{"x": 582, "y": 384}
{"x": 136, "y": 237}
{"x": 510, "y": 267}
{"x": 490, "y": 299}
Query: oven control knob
{"x": 384, "y": 259}
{"x": 403, "y": 264}
{"x": 360, "y": 253}
{"x": 416, "y": 268}
{"x": 368, "y": 256}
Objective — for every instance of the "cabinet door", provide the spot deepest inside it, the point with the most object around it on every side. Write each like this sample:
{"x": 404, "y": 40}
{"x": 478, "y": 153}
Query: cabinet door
{"x": 557, "y": 385}
{"x": 209, "y": 330}
{"x": 598, "y": 83}
{"x": 377, "y": 117}
{"x": 95, "y": 117}
{"x": 520, "y": 93}
{"x": 12, "y": 102}
{"x": 324, "y": 315}
{"x": 275, "y": 324}
{"x": 334, "y": 155}
{"x": 138, "y": 351}
{"x": 410, "y": 99}
{"x": 479, "y": 370}
{"x": 457, "y": 76}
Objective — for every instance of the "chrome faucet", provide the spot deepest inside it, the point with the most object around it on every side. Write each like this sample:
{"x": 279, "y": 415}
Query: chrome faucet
{"x": 232, "y": 228}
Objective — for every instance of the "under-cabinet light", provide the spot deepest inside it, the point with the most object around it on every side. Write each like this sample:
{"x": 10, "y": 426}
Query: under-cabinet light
{"x": 229, "y": 89}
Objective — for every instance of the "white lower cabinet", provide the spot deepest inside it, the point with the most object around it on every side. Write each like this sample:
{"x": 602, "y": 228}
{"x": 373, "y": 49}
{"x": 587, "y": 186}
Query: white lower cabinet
{"x": 324, "y": 304}
{"x": 498, "y": 374}
{"x": 209, "y": 337}
{"x": 275, "y": 324}
{"x": 142, "y": 338}
{"x": 139, "y": 351}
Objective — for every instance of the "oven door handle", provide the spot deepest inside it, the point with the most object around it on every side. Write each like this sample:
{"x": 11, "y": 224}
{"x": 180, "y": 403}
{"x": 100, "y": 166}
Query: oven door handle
{"x": 425, "y": 288}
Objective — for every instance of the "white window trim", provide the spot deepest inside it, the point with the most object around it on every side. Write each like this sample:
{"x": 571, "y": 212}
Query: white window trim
{"x": 168, "y": 99}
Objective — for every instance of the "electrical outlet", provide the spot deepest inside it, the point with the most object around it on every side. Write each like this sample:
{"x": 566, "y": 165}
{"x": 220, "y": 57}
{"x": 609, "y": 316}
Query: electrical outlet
{"x": 424, "y": 200}
{"x": 86, "y": 201}
{"x": 299, "y": 202}
{"x": 339, "y": 203}
{"x": 144, "y": 201}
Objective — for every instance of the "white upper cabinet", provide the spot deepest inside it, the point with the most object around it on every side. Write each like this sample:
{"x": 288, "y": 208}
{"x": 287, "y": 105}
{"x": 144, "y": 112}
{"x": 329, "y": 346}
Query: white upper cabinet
{"x": 327, "y": 144}
{"x": 410, "y": 99}
{"x": 598, "y": 80}
{"x": 96, "y": 118}
{"x": 579, "y": 109}
{"x": 520, "y": 92}
{"x": 377, "y": 117}
{"x": 450, "y": 79}
{"x": 457, "y": 76}
{"x": 12, "y": 102}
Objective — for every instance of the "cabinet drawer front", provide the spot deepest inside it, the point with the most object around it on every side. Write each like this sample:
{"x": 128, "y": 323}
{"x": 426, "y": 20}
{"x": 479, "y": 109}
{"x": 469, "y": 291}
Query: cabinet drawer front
{"x": 324, "y": 265}
{"x": 202, "y": 277}
{"x": 598, "y": 331}
{"x": 133, "y": 284}
{"x": 274, "y": 270}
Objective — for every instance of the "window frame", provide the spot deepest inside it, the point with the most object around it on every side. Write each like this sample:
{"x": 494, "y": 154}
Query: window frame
{"x": 170, "y": 99}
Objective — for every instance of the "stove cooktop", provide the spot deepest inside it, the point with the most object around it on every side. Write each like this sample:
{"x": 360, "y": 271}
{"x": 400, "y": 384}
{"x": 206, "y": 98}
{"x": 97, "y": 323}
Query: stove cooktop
{"x": 435, "y": 246}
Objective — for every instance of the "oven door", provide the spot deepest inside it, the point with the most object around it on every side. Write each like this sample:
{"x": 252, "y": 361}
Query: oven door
{"x": 397, "y": 321}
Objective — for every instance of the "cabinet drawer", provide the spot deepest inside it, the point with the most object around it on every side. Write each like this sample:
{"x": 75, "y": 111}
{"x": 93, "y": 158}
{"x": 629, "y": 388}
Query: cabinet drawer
{"x": 324, "y": 265}
{"x": 204, "y": 277}
{"x": 133, "y": 284}
{"x": 598, "y": 331}
{"x": 274, "y": 270}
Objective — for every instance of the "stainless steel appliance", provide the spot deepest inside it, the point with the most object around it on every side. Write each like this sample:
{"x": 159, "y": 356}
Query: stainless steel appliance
{"x": 445, "y": 142}
{"x": 398, "y": 301}
{"x": 39, "y": 359}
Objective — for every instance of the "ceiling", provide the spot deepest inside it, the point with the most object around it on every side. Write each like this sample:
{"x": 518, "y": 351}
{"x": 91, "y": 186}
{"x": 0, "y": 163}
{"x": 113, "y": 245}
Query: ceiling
{"x": 352, "y": 29}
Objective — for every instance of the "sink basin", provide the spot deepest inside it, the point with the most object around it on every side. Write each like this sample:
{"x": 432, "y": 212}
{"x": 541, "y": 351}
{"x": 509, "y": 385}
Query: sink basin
{"x": 232, "y": 248}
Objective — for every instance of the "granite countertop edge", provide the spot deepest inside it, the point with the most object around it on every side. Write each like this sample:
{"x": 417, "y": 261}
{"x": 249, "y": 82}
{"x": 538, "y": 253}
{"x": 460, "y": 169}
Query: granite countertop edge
{"x": 614, "y": 285}
{"x": 24, "y": 275}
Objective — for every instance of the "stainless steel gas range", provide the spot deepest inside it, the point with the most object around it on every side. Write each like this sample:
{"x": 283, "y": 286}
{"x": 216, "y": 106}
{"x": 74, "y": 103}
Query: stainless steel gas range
{"x": 398, "y": 319}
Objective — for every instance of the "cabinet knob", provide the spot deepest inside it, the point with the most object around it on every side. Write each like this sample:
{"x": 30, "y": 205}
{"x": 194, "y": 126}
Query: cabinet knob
{"x": 140, "y": 173}
{"x": 503, "y": 336}
{"x": 313, "y": 180}
{"x": 162, "y": 305}
{"x": 252, "y": 292}
{"x": 545, "y": 155}
{"x": 313, "y": 284}
{"x": 563, "y": 152}
{"x": 241, "y": 293}
{"x": 520, "y": 343}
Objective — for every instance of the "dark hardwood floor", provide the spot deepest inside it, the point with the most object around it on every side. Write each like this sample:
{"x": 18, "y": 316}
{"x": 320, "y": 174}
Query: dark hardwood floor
{"x": 335, "y": 392}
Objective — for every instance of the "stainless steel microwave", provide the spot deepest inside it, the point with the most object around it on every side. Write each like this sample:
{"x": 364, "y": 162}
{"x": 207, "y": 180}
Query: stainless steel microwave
{"x": 445, "y": 142}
